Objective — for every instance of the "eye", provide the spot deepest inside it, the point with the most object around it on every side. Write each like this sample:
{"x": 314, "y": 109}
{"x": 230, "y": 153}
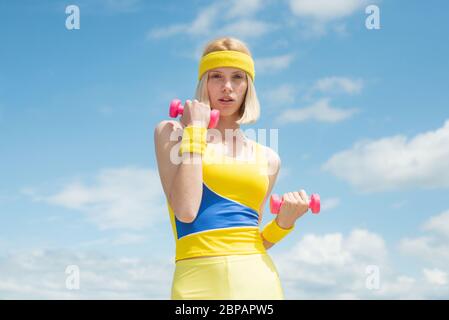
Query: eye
{"x": 238, "y": 76}
{"x": 216, "y": 75}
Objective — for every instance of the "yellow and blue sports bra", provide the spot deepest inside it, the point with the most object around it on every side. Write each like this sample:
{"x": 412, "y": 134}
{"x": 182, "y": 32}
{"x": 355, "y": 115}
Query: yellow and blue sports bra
{"x": 227, "y": 222}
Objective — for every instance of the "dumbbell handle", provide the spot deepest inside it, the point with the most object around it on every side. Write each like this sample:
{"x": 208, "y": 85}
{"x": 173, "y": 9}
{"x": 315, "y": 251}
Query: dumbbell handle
{"x": 176, "y": 108}
{"x": 276, "y": 203}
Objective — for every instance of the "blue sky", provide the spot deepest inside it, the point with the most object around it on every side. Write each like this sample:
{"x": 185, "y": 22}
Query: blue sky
{"x": 362, "y": 117}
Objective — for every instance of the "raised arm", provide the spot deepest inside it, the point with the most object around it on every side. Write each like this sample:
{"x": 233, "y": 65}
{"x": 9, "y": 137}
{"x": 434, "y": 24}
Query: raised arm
{"x": 181, "y": 178}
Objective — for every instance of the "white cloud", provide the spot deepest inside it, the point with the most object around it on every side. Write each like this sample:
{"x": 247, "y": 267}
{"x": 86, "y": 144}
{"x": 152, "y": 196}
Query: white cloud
{"x": 319, "y": 111}
{"x": 40, "y": 274}
{"x": 395, "y": 163}
{"x": 121, "y": 239}
{"x": 129, "y": 198}
{"x": 439, "y": 224}
{"x": 326, "y": 9}
{"x": 246, "y": 28}
{"x": 204, "y": 20}
{"x": 335, "y": 266}
{"x": 316, "y": 17}
{"x": 331, "y": 265}
{"x": 435, "y": 276}
{"x": 130, "y": 238}
{"x": 400, "y": 287}
{"x": 238, "y": 8}
{"x": 273, "y": 64}
{"x": 338, "y": 84}
{"x": 426, "y": 249}
{"x": 329, "y": 203}
{"x": 341, "y": 29}
{"x": 168, "y": 31}
{"x": 221, "y": 18}
{"x": 281, "y": 95}
{"x": 200, "y": 26}
{"x": 430, "y": 248}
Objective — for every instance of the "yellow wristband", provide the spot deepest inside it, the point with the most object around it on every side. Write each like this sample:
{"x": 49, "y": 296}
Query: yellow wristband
{"x": 193, "y": 140}
{"x": 191, "y": 147}
{"x": 273, "y": 233}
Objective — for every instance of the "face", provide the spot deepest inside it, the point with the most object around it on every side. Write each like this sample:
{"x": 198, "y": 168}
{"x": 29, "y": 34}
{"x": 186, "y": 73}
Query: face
{"x": 227, "y": 89}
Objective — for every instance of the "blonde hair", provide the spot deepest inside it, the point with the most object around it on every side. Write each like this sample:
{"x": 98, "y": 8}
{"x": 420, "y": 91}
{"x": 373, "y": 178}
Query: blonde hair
{"x": 250, "y": 109}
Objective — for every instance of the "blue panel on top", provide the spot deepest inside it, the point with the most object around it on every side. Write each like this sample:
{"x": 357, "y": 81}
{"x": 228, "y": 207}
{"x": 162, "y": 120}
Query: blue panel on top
{"x": 217, "y": 212}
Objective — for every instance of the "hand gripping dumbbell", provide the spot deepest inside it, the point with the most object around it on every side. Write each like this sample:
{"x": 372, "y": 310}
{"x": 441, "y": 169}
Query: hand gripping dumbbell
{"x": 176, "y": 108}
{"x": 276, "y": 203}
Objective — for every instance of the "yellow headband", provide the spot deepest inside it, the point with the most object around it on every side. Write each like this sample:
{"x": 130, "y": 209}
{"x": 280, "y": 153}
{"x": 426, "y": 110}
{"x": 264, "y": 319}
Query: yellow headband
{"x": 227, "y": 58}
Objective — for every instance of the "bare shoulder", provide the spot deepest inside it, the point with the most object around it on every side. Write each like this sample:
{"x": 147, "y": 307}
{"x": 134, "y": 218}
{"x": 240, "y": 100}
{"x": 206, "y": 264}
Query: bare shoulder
{"x": 274, "y": 161}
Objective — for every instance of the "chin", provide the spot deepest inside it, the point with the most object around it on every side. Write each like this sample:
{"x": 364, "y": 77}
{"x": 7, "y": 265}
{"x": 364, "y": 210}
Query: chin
{"x": 226, "y": 110}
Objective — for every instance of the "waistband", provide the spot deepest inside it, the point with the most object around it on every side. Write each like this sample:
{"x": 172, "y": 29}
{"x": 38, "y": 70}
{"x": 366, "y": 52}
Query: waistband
{"x": 220, "y": 242}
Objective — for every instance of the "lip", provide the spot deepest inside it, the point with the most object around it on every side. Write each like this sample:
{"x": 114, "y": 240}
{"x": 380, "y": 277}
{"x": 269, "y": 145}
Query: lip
{"x": 225, "y": 102}
{"x": 227, "y": 98}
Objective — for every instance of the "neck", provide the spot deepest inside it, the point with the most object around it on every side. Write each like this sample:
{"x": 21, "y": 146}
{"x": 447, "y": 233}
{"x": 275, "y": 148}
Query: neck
{"x": 228, "y": 123}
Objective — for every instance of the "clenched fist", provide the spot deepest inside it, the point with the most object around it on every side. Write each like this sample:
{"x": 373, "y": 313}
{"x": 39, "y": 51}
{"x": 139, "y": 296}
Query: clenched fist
{"x": 196, "y": 113}
{"x": 294, "y": 205}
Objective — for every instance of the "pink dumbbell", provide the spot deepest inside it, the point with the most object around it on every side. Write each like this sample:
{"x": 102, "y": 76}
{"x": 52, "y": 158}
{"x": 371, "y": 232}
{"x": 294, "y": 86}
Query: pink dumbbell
{"x": 276, "y": 203}
{"x": 176, "y": 108}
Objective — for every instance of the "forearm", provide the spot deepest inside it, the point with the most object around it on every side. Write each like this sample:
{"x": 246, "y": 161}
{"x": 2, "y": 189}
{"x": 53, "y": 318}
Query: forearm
{"x": 285, "y": 223}
{"x": 283, "y": 227}
{"x": 187, "y": 187}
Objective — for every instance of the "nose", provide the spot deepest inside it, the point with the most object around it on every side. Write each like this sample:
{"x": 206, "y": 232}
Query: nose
{"x": 227, "y": 86}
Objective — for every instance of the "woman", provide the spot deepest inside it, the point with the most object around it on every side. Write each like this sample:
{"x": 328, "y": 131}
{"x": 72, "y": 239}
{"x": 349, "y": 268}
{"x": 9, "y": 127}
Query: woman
{"x": 215, "y": 196}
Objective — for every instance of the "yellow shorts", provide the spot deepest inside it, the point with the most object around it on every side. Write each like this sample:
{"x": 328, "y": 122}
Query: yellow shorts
{"x": 243, "y": 277}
